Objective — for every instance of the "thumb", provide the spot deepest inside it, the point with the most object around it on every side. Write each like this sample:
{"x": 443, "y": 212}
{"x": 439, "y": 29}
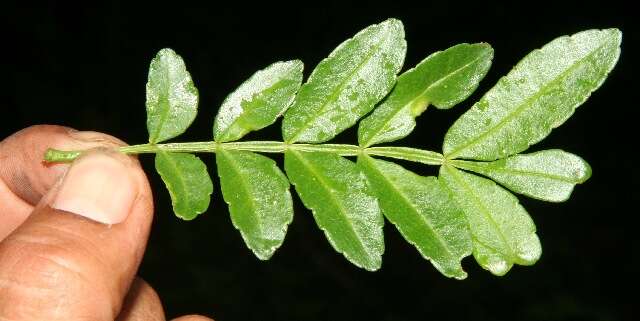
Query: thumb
{"x": 100, "y": 186}
{"x": 67, "y": 261}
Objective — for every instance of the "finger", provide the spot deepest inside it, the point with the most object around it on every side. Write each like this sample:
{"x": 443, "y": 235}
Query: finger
{"x": 13, "y": 210}
{"x": 192, "y": 318}
{"x": 23, "y": 169}
{"x": 25, "y": 178}
{"x": 59, "y": 265}
{"x": 141, "y": 304}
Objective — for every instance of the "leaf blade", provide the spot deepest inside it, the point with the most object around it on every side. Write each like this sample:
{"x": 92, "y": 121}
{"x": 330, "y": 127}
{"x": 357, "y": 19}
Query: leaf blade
{"x": 539, "y": 94}
{"x": 259, "y": 199}
{"x": 259, "y": 101}
{"x": 548, "y": 175}
{"x": 337, "y": 193}
{"x": 503, "y": 234}
{"x": 443, "y": 79}
{"x": 347, "y": 84}
{"x": 171, "y": 98}
{"x": 423, "y": 211}
{"x": 188, "y": 182}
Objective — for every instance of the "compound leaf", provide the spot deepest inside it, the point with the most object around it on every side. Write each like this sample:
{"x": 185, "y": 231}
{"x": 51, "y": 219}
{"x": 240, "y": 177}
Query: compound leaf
{"x": 259, "y": 101}
{"x": 259, "y": 199}
{"x": 539, "y": 94}
{"x": 443, "y": 79}
{"x": 188, "y": 182}
{"x": 502, "y": 232}
{"x": 172, "y": 98}
{"x": 346, "y": 85}
{"x": 338, "y": 194}
{"x": 548, "y": 175}
{"x": 424, "y": 212}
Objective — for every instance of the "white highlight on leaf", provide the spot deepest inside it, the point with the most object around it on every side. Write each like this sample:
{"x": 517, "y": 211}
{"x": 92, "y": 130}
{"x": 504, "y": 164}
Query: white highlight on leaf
{"x": 259, "y": 101}
{"x": 540, "y": 93}
{"x": 171, "y": 97}
{"x": 347, "y": 84}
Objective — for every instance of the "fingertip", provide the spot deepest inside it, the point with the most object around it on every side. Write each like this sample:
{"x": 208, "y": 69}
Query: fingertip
{"x": 25, "y": 172}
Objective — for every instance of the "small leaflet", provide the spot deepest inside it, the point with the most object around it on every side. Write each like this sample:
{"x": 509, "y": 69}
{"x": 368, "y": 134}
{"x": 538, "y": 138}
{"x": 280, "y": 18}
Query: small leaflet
{"x": 188, "y": 182}
{"x": 172, "y": 98}
{"x": 259, "y": 101}
{"x": 259, "y": 199}
{"x": 503, "y": 234}
{"x": 548, "y": 175}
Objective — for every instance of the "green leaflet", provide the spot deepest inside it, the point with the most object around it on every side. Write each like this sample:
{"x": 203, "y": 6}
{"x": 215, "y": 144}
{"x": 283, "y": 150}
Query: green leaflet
{"x": 346, "y": 85}
{"x": 342, "y": 203}
{"x": 548, "y": 175}
{"x": 501, "y": 230}
{"x": 539, "y": 94}
{"x": 188, "y": 182}
{"x": 259, "y": 200}
{"x": 443, "y": 79}
{"x": 423, "y": 211}
{"x": 259, "y": 101}
{"x": 172, "y": 98}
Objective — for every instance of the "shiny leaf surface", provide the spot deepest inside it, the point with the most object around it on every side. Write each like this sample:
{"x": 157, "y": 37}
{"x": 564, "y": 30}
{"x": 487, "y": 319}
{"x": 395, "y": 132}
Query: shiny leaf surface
{"x": 188, "y": 182}
{"x": 548, "y": 175}
{"x": 347, "y": 85}
{"x": 259, "y": 101}
{"x": 172, "y": 98}
{"x": 424, "y": 212}
{"x": 540, "y": 93}
{"x": 502, "y": 232}
{"x": 343, "y": 205}
{"x": 259, "y": 199}
{"x": 443, "y": 79}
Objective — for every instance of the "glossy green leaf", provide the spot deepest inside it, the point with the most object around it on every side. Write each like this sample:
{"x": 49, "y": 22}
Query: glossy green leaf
{"x": 259, "y": 200}
{"x": 347, "y": 85}
{"x": 443, "y": 79}
{"x": 188, "y": 182}
{"x": 172, "y": 98}
{"x": 424, "y": 212}
{"x": 539, "y": 94}
{"x": 548, "y": 175}
{"x": 502, "y": 232}
{"x": 338, "y": 194}
{"x": 259, "y": 101}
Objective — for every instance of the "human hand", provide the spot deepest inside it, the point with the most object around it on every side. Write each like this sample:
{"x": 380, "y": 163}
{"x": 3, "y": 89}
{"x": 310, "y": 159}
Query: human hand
{"x": 72, "y": 236}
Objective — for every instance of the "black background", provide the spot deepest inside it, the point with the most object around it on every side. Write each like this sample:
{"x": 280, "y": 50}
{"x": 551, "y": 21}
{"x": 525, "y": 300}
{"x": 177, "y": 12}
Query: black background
{"x": 85, "y": 67}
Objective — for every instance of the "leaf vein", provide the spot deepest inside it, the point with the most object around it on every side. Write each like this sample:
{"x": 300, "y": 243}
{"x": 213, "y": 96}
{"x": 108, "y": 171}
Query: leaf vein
{"x": 341, "y": 208}
{"x": 179, "y": 178}
{"x": 340, "y": 87}
{"x": 523, "y": 106}
{"x": 246, "y": 187}
{"x": 423, "y": 219}
{"x": 483, "y": 170}
{"x": 484, "y": 210}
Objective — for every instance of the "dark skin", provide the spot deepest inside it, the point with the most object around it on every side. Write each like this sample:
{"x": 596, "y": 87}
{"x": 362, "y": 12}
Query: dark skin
{"x": 68, "y": 250}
